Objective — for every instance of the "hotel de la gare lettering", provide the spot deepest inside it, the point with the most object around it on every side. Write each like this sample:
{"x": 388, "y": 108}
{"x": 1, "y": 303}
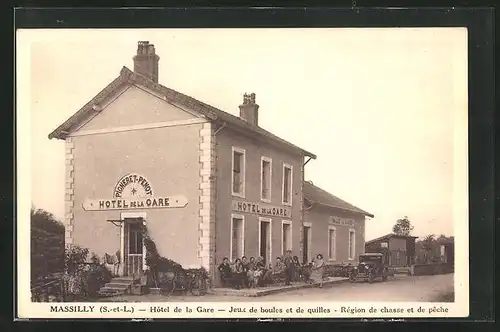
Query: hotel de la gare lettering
{"x": 206, "y": 184}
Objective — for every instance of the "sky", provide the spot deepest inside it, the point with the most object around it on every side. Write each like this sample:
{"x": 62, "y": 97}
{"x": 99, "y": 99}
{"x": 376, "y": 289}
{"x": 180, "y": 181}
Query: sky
{"x": 385, "y": 110}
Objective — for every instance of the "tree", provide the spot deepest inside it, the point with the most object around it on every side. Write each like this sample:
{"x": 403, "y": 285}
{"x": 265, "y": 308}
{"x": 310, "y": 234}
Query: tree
{"x": 46, "y": 221}
{"x": 47, "y": 244}
{"x": 403, "y": 226}
{"x": 430, "y": 246}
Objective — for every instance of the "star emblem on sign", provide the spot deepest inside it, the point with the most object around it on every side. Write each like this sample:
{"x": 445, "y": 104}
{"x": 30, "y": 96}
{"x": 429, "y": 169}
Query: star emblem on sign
{"x": 134, "y": 191}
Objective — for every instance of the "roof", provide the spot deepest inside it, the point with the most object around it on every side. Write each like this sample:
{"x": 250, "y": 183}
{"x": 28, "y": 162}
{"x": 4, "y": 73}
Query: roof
{"x": 372, "y": 254}
{"x": 316, "y": 195}
{"x": 445, "y": 241}
{"x": 127, "y": 76}
{"x": 391, "y": 235}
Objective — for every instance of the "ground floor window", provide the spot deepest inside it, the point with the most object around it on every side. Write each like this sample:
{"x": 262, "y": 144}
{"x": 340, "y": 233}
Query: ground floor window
{"x": 265, "y": 237}
{"x": 237, "y": 237}
{"x": 332, "y": 234}
{"x": 352, "y": 244}
{"x": 286, "y": 232}
{"x": 306, "y": 242}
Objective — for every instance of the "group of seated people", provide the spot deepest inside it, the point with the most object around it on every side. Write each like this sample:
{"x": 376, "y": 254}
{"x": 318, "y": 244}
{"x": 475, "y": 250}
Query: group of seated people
{"x": 254, "y": 272}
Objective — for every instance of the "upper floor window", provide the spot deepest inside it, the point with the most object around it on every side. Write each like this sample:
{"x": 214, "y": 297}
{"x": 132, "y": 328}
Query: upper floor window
{"x": 265, "y": 179}
{"x": 287, "y": 184}
{"x": 238, "y": 179}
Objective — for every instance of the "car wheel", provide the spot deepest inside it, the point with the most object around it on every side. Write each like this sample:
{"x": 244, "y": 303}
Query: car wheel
{"x": 384, "y": 278}
{"x": 371, "y": 277}
{"x": 352, "y": 278}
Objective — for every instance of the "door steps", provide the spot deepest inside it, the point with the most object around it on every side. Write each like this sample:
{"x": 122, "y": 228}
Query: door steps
{"x": 117, "y": 286}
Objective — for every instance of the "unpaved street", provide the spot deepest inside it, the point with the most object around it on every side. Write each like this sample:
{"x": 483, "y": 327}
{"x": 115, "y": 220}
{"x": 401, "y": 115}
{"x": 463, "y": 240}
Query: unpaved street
{"x": 399, "y": 288}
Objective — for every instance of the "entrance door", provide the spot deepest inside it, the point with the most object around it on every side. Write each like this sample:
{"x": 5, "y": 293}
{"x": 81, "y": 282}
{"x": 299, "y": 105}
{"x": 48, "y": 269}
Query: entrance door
{"x": 133, "y": 248}
{"x": 305, "y": 244}
{"x": 265, "y": 241}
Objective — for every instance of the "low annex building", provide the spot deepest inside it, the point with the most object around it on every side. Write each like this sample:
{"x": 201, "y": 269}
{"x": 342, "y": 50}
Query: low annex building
{"x": 332, "y": 227}
{"x": 205, "y": 183}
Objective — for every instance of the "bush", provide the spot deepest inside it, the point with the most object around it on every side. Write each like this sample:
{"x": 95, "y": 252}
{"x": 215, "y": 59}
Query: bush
{"x": 84, "y": 279}
{"x": 159, "y": 267}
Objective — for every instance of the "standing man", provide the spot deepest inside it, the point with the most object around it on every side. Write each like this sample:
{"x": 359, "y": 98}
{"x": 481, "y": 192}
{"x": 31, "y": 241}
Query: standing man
{"x": 288, "y": 261}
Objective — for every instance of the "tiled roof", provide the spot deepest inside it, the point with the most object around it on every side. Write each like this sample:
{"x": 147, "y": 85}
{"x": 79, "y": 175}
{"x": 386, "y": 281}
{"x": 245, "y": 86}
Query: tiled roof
{"x": 317, "y": 195}
{"x": 390, "y": 235}
{"x": 129, "y": 77}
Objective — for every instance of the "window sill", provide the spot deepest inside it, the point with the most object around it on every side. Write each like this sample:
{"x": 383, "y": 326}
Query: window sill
{"x": 286, "y": 204}
{"x": 265, "y": 200}
{"x": 238, "y": 195}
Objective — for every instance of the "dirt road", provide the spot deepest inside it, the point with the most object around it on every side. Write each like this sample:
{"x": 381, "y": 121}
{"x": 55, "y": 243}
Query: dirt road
{"x": 399, "y": 288}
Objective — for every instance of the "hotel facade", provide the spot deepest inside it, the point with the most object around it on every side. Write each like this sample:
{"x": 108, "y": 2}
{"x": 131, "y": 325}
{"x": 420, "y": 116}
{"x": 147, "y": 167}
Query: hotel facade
{"x": 206, "y": 184}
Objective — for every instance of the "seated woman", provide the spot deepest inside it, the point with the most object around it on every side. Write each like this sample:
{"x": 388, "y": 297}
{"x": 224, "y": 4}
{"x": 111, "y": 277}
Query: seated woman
{"x": 261, "y": 274}
{"x": 239, "y": 275}
{"x": 279, "y": 267}
{"x": 225, "y": 272}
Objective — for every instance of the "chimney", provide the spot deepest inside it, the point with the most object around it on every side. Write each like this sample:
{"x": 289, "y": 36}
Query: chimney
{"x": 249, "y": 110}
{"x": 146, "y": 61}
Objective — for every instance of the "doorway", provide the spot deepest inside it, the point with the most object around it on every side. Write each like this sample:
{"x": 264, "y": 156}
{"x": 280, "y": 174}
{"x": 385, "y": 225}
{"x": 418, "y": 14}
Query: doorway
{"x": 265, "y": 240}
{"x": 306, "y": 238}
{"x": 133, "y": 247}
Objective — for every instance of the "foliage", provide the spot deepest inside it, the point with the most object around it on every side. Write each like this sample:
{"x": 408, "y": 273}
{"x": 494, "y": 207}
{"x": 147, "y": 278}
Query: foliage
{"x": 83, "y": 276}
{"x": 403, "y": 227}
{"x": 159, "y": 265}
{"x": 46, "y": 221}
{"x": 47, "y": 245}
{"x": 429, "y": 248}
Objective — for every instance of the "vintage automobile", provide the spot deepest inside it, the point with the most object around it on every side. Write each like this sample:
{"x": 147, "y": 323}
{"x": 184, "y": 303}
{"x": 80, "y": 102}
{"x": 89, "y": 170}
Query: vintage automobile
{"x": 371, "y": 267}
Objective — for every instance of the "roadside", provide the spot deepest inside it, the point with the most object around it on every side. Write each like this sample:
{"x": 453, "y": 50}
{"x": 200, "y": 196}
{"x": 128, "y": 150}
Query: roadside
{"x": 437, "y": 288}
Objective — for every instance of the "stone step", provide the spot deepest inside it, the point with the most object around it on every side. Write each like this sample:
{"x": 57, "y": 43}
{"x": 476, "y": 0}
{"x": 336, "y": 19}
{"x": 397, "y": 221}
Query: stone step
{"x": 108, "y": 293}
{"x": 114, "y": 287}
{"x": 124, "y": 279}
{"x": 119, "y": 285}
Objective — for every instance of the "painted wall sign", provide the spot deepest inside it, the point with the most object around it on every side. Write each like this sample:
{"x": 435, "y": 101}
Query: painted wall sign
{"x": 134, "y": 203}
{"x": 262, "y": 209}
{"x": 133, "y": 185}
{"x": 341, "y": 221}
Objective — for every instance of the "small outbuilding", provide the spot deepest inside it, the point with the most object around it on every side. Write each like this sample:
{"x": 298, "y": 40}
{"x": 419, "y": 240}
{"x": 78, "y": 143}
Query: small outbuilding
{"x": 399, "y": 250}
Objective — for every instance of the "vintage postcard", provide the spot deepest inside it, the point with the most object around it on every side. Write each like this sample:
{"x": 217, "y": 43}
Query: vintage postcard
{"x": 242, "y": 173}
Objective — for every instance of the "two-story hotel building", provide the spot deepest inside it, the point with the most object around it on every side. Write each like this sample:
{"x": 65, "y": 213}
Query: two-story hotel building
{"x": 205, "y": 183}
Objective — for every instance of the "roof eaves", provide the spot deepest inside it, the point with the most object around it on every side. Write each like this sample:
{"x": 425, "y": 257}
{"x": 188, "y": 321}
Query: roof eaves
{"x": 358, "y": 211}
{"x": 61, "y": 131}
{"x": 211, "y": 112}
{"x": 214, "y": 114}
{"x": 388, "y": 236}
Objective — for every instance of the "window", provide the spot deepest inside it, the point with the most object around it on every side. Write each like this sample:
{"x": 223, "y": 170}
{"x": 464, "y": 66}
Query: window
{"x": 332, "y": 243}
{"x": 306, "y": 242}
{"x": 265, "y": 237}
{"x": 287, "y": 184}
{"x": 265, "y": 179}
{"x": 237, "y": 237}
{"x": 238, "y": 172}
{"x": 286, "y": 236}
{"x": 352, "y": 244}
